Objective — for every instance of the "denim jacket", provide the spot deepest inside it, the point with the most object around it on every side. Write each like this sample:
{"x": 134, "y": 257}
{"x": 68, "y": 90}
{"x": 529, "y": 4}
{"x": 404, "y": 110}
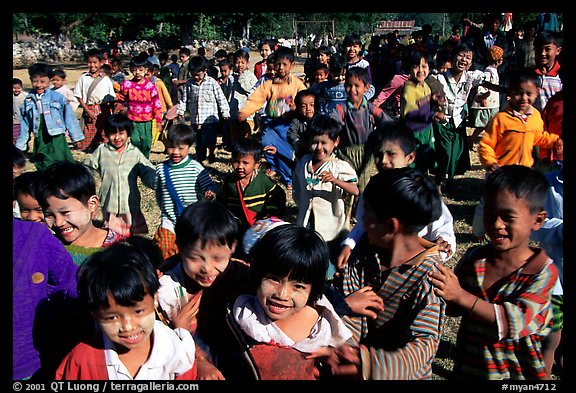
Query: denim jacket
{"x": 58, "y": 116}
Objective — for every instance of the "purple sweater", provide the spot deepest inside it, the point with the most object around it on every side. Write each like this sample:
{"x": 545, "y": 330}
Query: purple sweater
{"x": 42, "y": 268}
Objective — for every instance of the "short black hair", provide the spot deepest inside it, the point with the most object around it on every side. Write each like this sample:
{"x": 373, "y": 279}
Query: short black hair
{"x": 307, "y": 93}
{"x": 523, "y": 182}
{"x": 197, "y": 63}
{"x": 25, "y": 184}
{"x": 284, "y": 52}
{"x": 208, "y": 222}
{"x": 58, "y": 72}
{"x": 17, "y": 81}
{"x": 360, "y": 73}
{"x": 63, "y": 180}
{"x": 248, "y": 146}
{"x": 323, "y": 124}
{"x": 39, "y": 69}
{"x": 18, "y": 157}
{"x": 140, "y": 60}
{"x": 547, "y": 37}
{"x": 118, "y": 122}
{"x": 393, "y": 131}
{"x": 94, "y": 52}
{"x": 291, "y": 251}
{"x": 180, "y": 133}
{"x": 120, "y": 270}
{"x": 405, "y": 194}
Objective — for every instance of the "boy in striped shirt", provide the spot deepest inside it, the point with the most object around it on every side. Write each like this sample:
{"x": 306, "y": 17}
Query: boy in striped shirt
{"x": 401, "y": 342}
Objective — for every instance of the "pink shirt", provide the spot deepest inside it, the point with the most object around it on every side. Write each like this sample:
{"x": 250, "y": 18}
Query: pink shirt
{"x": 142, "y": 100}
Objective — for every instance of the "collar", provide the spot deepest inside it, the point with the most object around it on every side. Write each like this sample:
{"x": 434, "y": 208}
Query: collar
{"x": 519, "y": 115}
{"x": 278, "y": 81}
{"x": 363, "y": 105}
{"x": 553, "y": 71}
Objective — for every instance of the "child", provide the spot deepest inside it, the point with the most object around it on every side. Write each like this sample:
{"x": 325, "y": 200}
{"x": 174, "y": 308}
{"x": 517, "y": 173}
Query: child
{"x": 142, "y": 101}
{"x": 180, "y": 181}
{"x": 265, "y": 48}
{"x": 394, "y": 146}
{"x": 358, "y": 118}
{"x": 118, "y": 74}
{"x": 18, "y": 165}
{"x": 306, "y": 107}
{"x": 43, "y": 273}
{"x": 246, "y": 191}
{"x": 28, "y": 207}
{"x": 450, "y": 138}
{"x": 119, "y": 164}
{"x": 321, "y": 73}
{"x": 391, "y": 93}
{"x": 395, "y": 261}
{"x": 354, "y": 50}
{"x": 486, "y": 103}
{"x": 49, "y": 123}
{"x": 58, "y": 80}
{"x": 205, "y": 102}
{"x": 226, "y": 80}
{"x": 417, "y": 109}
{"x": 244, "y": 81}
{"x": 332, "y": 92}
{"x": 119, "y": 287}
{"x": 198, "y": 284}
{"x": 163, "y": 94}
{"x": 502, "y": 289}
{"x": 551, "y": 160}
{"x": 17, "y": 101}
{"x": 67, "y": 193}
{"x": 547, "y": 48}
{"x": 288, "y": 317}
{"x": 96, "y": 94}
{"x": 321, "y": 182}
{"x": 183, "y": 72}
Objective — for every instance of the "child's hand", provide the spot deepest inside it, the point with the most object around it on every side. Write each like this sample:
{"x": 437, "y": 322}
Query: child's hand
{"x": 492, "y": 168}
{"x": 444, "y": 246}
{"x": 207, "y": 371}
{"x": 272, "y": 150}
{"x": 327, "y": 177}
{"x": 559, "y": 149}
{"x": 210, "y": 195}
{"x": 343, "y": 257}
{"x": 439, "y": 116}
{"x": 346, "y": 362}
{"x": 446, "y": 283}
{"x": 241, "y": 117}
{"x": 365, "y": 302}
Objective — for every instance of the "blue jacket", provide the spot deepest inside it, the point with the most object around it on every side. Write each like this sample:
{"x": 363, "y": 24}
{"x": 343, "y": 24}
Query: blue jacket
{"x": 58, "y": 115}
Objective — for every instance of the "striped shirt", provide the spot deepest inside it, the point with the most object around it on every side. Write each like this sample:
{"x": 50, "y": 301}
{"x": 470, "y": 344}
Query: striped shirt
{"x": 550, "y": 84}
{"x": 522, "y": 304}
{"x": 402, "y": 342}
{"x": 205, "y": 102}
{"x": 190, "y": 179}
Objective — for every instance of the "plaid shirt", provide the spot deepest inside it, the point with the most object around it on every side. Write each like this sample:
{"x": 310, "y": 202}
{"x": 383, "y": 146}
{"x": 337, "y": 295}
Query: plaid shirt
{"x": 205, "y": 102}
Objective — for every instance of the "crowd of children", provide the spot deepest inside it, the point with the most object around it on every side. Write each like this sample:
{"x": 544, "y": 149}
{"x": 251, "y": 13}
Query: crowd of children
{"x": 226, "y": 287}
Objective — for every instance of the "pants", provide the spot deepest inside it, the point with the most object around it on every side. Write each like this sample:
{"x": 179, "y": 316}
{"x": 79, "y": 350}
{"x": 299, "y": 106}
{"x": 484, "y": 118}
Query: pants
{"x": 141, "y": 136}
{"x": 206, "y": 135}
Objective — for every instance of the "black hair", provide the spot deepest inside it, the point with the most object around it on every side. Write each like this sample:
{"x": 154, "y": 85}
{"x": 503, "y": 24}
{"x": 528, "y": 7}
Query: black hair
{"x": 523, "y": 182}
{"x": 140, "y": 60}
{"x": 322, "y": 66}
{"x": 18, "y": 157}
{"x": 25, "y": 184}
{"x": 248, "y": 146}
{"x": 221, "y": 53}
{"x": 63, "y": 180}
{"x": 197, "y": 64}
{"x": 106, "y": 69}
{"x": 163, "y": 56}
{"x": 337, "y": 63}
{"x": 208, "y": 222}
{"x": 57, "y": 72}
{"x": 94, "y": 52}
{"x": 360, "y": 73}
{"x": 184, "y": 51}
{"x": 413, "y": 58}
{"x": 322, "y": 124}
{"x": 325, "y": 50}
{"x": 180, "y": 133}
{"x": 121, "y": 271}
{"x": 268, "y": 42}
{"x": 284, "y": 52}
{"x": 547, "y": 37}
{"x": 395, "y": 131}
{"x": 405, "y": 194}
{"x": 307, "y": 93}
{"x": 226, "y": 62}
{"x": 118, "y": 122}
{"x": 17, "y": 81}
{"x": 291, "y": 251}
{"x": 460, "y": 47}
{"x": 522, "y": 76}
{"x": 352, "y": 39}
{"x": 39, "y": 69}
{"x": 174, "y": 58}
{"x": 242, "y": 54}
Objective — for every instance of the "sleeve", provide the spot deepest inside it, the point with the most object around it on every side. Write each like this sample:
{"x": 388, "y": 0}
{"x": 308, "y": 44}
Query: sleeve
{"x": 256, "y": 99}
{"x": 147, "y": 172}
{"x": 72, "y": 124}
{"x": 358, "y": 230}
{"x": 487, "y": 145}
{"x": 387, "y": 91}
{"x": 346, "y": 172}
{"x": 221, "y": 99}
{"x": 442, "y": 227}
{"x": 156, "y": 104}
{"x": 275, "y": 203}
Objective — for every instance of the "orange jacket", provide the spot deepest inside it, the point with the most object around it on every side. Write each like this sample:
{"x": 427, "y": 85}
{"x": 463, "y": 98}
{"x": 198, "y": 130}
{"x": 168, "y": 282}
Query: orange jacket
{"x": 509, "y": 140}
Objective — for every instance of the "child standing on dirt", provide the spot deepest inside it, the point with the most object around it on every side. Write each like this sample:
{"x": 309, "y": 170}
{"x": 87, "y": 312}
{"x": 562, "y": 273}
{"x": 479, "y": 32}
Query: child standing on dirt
{"x": 119, "y": 164}
{"x": 48, "y": 114}
{"x": 141, "y": 101}
{"x": 58, "y": 80}
{"x": 242, "y": 85}
{"x": 96, "y": 95}
{"x": 502, "y": 289}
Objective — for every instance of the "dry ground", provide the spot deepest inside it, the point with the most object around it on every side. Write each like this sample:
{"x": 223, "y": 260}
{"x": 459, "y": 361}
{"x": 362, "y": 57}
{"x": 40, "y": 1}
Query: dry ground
{"x": 461, "y": 205}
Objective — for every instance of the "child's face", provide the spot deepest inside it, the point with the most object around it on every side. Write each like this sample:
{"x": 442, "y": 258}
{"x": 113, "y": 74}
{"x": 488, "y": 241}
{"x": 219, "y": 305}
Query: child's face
{"x": 93, "y": 64}
{"x": 205, "y": 264}
{"x": 462, "y": 61}
{"x": 445, "y": 66}
{"x": 306, "y": 107}
{"x": 355, "y": 89}
{"x": 508, "y": 222}
{"x": 241, "y": 65}
{"x": 16, "y": 89}
{"x": 281, "y": 297}
{"x": 545, "y": 56}
{"x": 375, "y": 230}
{"x": 283, "y": 67}
{"x": 225, "y": 72}
{"x": 323, "y": 58}
{"x": 198, "y": 77}
{"x": 322, "y": 147}
{"x": 420, "y": 72}
{"x": 139, "y": 72}
{"x": 390, "y": 156}
{"x": 30, "y": 209}
{"x": 320, "y": 75}
{"x": 69, "y": 218}
{"x": 244, "y": 165}
{"x": 128, "y": 327}
{"x": 177, "y": 152}
{"x": 16, "y": 171}
{"x": 57, "y": 81}
{"x": 352, "y": 52}
{"x": 114, "y": 67}
{"x": 118, "y": 139}
{"x": 265, "y": 51}
{"x": 40, "y": 83}
{"x": 523, "y": 97}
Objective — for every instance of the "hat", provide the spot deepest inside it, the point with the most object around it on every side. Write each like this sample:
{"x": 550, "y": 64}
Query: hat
{"x": 496, "y": 53}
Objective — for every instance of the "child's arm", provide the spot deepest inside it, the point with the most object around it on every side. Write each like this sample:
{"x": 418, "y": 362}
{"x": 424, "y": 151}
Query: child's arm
{"x": 351, "y": 187}
{"x": 254, "y": 101}
{"x": 222, "y": 101}
{"x": 71, "y": 121}
{"x": 487, "y": 145}
{"x": 274, "y": 204}
{"x": 147, "y": 172}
